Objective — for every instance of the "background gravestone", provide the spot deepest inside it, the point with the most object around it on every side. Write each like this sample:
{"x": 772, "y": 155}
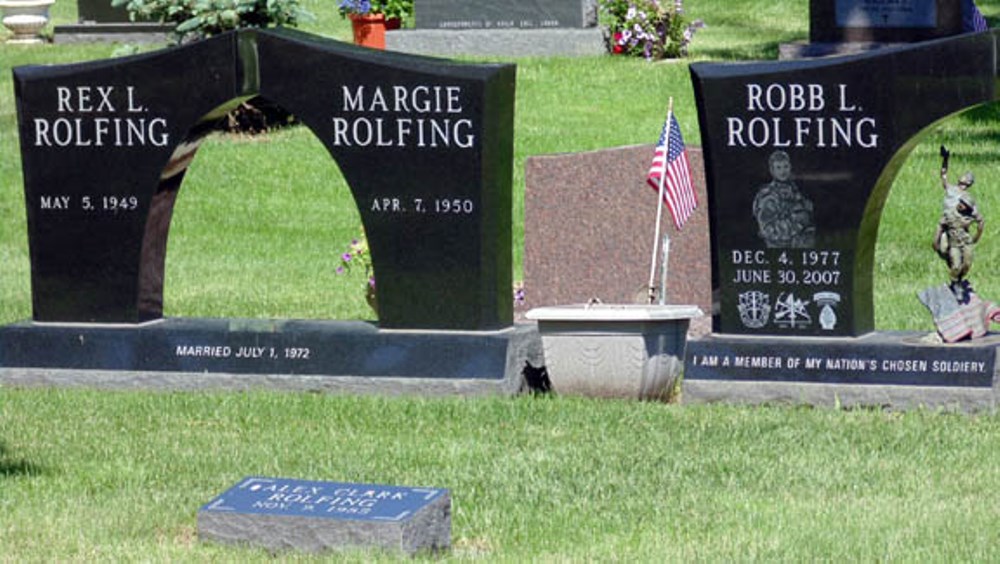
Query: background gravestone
{"x": 588, "y": 231}
{"x": 486, "y": 14}
{"x": 852, "y": 26}
{"x": 101, "y": 11}
{"x": 98, "y": 20}
{"x": 508, "y": 28}
{"x": 900, "y": 21}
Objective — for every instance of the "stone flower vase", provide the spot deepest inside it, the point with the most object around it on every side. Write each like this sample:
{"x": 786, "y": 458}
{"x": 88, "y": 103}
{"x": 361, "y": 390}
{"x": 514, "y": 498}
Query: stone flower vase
{"x": 25, "y": 18}
{"x": 369, "y": 30}
{"x": 614, "y": 351}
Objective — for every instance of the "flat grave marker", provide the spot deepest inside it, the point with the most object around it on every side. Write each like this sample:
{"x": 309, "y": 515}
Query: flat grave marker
{"x": 312, "y": 516}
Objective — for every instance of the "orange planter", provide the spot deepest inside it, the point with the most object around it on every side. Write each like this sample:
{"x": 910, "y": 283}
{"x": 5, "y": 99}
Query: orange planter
{"x": 369, "y": 30}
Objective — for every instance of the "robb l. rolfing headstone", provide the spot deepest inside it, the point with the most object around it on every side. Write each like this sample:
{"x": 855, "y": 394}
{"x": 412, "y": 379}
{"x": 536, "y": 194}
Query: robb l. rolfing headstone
{"x": 310, "y": 516}
{"x": 800, "y": 159}
{"x": 425, "y": 146}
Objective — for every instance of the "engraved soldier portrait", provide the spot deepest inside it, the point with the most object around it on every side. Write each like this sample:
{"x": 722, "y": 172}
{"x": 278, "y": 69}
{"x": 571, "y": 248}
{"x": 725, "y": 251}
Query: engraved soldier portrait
{"x": 783, "y": 214}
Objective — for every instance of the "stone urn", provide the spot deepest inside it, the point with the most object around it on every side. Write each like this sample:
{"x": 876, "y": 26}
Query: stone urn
{"x": 614, "y": 351}
{"x": 25, "y": 18}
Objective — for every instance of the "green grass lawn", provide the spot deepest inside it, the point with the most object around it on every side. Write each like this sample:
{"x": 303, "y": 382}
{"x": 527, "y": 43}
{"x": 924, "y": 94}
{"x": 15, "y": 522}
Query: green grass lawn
{"x": 99, "y": 476}
{"x": 90, "y": 476}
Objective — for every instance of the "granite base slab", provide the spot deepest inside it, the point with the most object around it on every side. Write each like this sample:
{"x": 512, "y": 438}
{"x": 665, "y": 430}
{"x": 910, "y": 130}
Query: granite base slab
{"x": 896, "y": 370}
{"x": 325, "y": 356}
{"x": 498, "y": 42}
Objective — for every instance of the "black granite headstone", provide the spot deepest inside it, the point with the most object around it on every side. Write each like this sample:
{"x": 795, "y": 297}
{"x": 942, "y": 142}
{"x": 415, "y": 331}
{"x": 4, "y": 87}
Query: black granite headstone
{"x": 426, "y": 147}
{"x": 503, "y": 14}
{"x": 99, "y": 20}
{"x": 897, "y": 21}
{"x": 101, "y": 11}
{"x": 800, "y": 158}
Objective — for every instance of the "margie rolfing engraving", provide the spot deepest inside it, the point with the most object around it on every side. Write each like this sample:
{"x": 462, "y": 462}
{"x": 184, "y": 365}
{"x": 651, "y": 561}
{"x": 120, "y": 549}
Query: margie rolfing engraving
{"x": 784, "y": 216}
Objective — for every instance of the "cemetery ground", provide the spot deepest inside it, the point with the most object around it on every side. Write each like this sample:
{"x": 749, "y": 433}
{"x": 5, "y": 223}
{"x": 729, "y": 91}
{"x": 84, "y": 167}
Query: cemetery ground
{"x": 88, "y": 475}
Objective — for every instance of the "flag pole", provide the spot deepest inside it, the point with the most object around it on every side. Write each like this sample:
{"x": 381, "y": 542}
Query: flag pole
{"x": 659, "y": 208}
{"x": 663, "y": 268}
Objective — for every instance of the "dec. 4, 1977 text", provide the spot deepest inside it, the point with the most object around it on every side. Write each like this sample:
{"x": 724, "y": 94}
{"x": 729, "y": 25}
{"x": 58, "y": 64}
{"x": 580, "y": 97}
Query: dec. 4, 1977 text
{"x": 786, "y": 268}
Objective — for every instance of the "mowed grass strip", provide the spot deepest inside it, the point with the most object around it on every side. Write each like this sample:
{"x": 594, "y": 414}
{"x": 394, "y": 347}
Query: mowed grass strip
{"x": 121, "y": 475}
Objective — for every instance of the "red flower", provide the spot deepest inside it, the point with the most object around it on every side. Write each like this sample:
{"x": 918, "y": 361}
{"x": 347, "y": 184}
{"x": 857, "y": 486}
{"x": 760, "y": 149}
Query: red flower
{"x": 617, "y": 48}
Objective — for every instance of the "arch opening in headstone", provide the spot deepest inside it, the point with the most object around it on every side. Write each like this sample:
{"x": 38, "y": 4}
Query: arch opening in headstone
{"x": 267, "y": 242}
{"x": 904, "y": 266}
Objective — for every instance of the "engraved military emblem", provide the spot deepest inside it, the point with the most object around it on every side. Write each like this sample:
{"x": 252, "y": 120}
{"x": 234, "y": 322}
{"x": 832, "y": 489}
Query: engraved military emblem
{"x": 827, "y": 314}
{"x": 791, "y": 312}
{"x": 755, "y": 309}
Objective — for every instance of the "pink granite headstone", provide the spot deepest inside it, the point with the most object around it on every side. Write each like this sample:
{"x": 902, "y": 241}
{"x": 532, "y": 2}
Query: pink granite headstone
{"x": 589, "y": 224}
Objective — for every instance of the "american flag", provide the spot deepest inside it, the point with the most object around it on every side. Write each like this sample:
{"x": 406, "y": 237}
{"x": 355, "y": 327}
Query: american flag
{"x": 670, "y": 162}
{"x": 972, "y": 18}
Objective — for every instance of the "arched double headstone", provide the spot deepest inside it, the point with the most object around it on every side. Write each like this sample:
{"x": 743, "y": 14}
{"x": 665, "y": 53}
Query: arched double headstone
{"x": 425, "y": 145}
